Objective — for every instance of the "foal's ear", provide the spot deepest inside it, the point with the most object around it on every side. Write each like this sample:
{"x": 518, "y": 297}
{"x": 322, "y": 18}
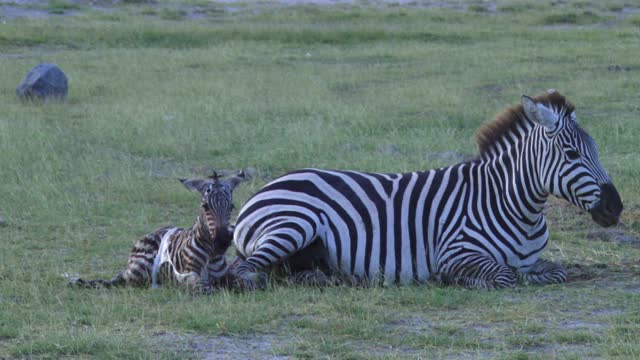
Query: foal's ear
{"x": 237, "y": 179}
{"x": 539, "y": 113}
{"x": 195, "y": 184}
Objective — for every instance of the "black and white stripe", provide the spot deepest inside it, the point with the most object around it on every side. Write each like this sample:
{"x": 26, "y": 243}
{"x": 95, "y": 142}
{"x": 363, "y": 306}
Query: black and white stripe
{"x": 477, "y": 223}
{"x": 193, "y": 257}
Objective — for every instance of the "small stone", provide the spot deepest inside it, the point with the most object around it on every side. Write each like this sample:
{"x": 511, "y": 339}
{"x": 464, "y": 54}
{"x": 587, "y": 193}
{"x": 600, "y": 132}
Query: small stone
{"x": 43, "y": 82}
{"x": 3, "y": 221}
{"x": 389, "y": 150}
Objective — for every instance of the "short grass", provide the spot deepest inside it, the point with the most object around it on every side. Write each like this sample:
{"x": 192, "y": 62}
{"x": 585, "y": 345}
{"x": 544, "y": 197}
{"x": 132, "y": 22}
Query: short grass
{"x": 161, "y": 90}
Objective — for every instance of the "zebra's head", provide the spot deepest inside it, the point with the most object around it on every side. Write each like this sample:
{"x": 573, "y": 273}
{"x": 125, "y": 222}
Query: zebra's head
{"x": 569, "y": 166}
{"x": 217, "y": 202}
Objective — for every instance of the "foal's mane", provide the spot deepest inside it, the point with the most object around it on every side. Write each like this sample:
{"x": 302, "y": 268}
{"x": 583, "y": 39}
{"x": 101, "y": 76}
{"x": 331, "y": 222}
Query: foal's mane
{"x": 509, "y": 119}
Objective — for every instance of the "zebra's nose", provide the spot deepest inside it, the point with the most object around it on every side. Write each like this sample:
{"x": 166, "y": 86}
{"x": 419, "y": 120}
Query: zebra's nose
{"x": 607, "y": 211}
{"x": 611, "y": 199}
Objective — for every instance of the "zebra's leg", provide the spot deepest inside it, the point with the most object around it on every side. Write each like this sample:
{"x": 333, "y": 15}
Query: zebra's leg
{"x": 286, "y": 237}
{"x": 118, "y": 280}
{"x": 96, "y": 284}
{"x": 194, "y": 283}
{"x": 248, "y": 273}
{"x": 276, "y": 247}
{"x": 544, "y": 272}
{"x": 229, "y": 280}
{"x": 477, "y": 271}
{"x": 217, "y": 272}
{"x": 309, "y": 266}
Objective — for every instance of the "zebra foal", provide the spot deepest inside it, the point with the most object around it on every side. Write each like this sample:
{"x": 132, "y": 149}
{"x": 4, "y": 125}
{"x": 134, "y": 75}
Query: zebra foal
{"x": 478, "y": 224}
{"x": 193, "y": 257}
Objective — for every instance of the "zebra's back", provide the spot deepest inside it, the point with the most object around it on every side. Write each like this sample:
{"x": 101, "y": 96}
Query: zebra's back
{"x": 142, "y": 256}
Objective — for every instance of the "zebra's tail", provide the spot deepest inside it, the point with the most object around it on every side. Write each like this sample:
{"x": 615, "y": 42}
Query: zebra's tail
{"x": 118, "y": 280}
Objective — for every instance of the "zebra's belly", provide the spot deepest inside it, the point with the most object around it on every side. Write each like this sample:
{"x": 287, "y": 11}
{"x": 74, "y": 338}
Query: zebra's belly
{"x": 518, "y": 263}
{"x": 518, "y": 254}
{"x": 526, "y": 256}
{"x": 387, "y": 261}
{"x": 382, "y": 261}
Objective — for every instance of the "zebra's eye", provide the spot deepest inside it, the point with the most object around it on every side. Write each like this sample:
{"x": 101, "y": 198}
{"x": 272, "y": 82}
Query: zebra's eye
{"x": 572, "y": 154}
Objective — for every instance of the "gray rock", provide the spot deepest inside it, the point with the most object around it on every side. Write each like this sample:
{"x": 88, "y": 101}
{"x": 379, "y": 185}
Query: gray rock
{"x": 3, "y": 221}
{"x": 43, "y": 82}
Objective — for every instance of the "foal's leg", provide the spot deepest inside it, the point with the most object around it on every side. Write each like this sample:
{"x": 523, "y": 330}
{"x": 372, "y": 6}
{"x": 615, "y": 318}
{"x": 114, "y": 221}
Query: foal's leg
{"x": 477, "y": 271}
{"x": 544, "y": 272}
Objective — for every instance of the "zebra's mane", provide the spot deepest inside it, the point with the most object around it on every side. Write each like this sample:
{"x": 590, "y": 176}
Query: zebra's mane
{"x": 513, "y": 117}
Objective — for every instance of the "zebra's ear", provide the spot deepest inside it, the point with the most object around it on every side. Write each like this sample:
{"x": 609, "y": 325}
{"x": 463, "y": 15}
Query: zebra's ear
{"x": 194, "y": 184}
{"x": 539, "y": 113}
{"x": 240, "y": 177}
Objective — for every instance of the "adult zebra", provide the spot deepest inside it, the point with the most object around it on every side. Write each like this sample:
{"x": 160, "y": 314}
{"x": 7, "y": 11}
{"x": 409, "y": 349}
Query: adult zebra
{"x": 478, "y": 223}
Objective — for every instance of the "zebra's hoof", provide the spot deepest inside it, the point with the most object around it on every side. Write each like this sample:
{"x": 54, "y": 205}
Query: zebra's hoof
{"x": 558, "y": 277}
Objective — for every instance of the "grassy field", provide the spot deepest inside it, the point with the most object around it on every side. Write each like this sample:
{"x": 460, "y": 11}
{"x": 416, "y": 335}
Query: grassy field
{"x": 174, "y": 89}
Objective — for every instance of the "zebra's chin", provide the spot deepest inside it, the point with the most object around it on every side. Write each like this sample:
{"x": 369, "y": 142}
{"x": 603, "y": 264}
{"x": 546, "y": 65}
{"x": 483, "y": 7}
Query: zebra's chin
{"x": 606, "y": 212}
{"x": 603, "y": 219}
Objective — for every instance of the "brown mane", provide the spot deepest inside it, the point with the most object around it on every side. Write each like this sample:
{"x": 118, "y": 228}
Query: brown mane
{"x": 508, "y": 120}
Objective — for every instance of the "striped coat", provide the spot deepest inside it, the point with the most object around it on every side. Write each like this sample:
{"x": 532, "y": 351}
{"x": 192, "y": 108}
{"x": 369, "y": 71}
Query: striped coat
{"x": 193, "y": 257}
{"x": 478, "y": 223}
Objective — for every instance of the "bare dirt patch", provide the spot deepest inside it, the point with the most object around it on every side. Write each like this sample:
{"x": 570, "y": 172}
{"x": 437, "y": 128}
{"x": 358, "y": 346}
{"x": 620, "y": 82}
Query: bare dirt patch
{"x": 608, "y": 312}
{"x": 616, "y": 235}
{"x": 575, "y": 324}
{"x": 10, "y": 9}
{"x": 257, "y": 346}
{"x": 485, "y": 6}
{"x": 578, "y": 272}
{"x": 415, "y": 325}
{"x": 382, "y": 350}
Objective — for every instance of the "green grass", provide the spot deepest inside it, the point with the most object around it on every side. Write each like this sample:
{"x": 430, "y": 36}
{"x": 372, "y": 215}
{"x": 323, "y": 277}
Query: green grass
{"x": 574, "y": 18}
{"x": 155, "y": 95}
{"x": 61, "y": 6}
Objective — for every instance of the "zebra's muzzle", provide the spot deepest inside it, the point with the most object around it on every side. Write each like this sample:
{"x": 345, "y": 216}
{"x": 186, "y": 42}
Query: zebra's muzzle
{"x": 222, "y": 239}
{"x": 606, "y": 212}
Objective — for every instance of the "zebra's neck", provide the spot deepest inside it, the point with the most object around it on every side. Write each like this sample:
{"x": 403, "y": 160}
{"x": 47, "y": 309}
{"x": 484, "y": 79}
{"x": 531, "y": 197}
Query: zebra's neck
{"x": 204, "y": 232}
{"x": 511, "y": 167}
